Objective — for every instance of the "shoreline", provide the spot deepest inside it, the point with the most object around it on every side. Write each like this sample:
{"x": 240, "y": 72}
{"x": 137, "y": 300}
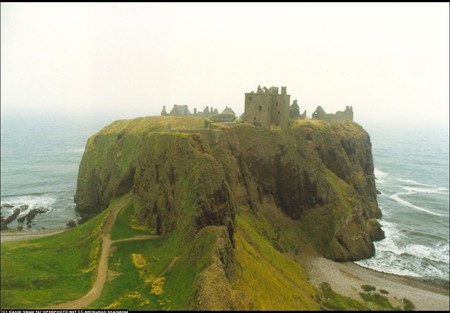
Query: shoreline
{"x": 344, "y": 278}
{"x": 347, "y": 279}
{"x": 8, "y": 236}
{"x": 435, "y": 285}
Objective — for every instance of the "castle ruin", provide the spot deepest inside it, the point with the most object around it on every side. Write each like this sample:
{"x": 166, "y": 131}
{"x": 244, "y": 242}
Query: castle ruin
{"x": 267, "y": 107}
{"x": 227, "y": 114}
{"x": 340, "y": 116}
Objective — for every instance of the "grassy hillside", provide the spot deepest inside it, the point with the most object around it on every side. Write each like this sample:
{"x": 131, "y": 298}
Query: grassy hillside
{"x": 228, "y": 209}
{"x": 34, "y": 272}
{"x": 175, "y": 272}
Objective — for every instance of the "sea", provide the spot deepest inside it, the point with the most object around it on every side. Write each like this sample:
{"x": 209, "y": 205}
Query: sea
{"x": 412, "y": 177}
{"x": 40, "y": 157}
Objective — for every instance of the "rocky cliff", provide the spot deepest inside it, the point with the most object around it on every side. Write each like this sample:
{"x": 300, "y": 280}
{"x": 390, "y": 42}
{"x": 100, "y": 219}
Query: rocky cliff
{"x": 185, "y": 178}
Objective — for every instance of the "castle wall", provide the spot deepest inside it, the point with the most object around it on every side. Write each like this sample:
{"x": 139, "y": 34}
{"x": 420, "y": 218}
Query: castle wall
{"x": 265, "y": 109}
{"x": 258, "y": 109}
{"x": 280, "y": 110}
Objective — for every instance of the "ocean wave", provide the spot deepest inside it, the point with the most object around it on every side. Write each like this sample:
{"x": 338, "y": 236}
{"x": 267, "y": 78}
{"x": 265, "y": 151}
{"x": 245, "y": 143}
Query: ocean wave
{"x": 388, "y": 262}
{"x": 411, "y": 185}
{"x": 389, "y": 243}
{"x": 434, "y": 190}
{"x": 407, "y": 265}
{"x": 397, "y": 198}
{"x": 436, "y": 253}
{"x": 380, "y": 175}
{"x": 32, "y": 201}
{"x": 412, "y": 182}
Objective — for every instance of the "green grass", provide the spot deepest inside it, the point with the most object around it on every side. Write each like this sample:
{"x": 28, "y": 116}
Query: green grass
{"x": 126, "y": 224}
{"x": 131, "y": 286}
{"x": 153, "y": 123}
{"x": 128, "y": 280}
{"x": 34, "y": 272}
{"x": 377, "y": 302}
{"x": 330, "y": 300}
{"x": 368, "y": 288}
{"x": 408, "y": 305}
{"x": 270, "y": 279}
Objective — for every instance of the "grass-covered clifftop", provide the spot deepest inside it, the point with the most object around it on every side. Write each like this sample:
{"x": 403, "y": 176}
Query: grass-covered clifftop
{"x": 240, "y": 201}
{"x": 320, "y": 174}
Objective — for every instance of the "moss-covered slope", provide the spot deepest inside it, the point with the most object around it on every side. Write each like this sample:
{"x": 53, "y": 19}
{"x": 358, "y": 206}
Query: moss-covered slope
{"x": 316, "y": 172}
{"x": 311, "y": 183}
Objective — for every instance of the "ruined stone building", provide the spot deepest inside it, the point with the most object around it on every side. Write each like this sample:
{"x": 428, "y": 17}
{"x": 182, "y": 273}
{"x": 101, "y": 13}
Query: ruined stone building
{"x": 340, "y": 116}
{"x": 180, "y": 110}
{"x": 228, "y": 111}
{"x": 294, "y": 111}
{"x": 207, "y": 112}
{"x": 227, "y": 115}
{"x": 267, "y": 107}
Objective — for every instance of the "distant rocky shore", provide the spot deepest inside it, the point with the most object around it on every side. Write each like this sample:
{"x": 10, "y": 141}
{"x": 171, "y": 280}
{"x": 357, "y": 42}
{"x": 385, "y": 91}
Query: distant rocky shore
{"x": 24, "y": 215}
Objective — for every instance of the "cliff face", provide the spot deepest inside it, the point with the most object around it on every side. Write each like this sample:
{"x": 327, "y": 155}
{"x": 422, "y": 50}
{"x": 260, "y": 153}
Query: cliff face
{"x": 317, "y": 173}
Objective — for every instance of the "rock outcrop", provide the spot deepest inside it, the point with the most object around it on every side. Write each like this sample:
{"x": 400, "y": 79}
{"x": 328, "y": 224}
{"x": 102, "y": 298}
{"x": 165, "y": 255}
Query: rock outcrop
{"x": 316, "y": 172}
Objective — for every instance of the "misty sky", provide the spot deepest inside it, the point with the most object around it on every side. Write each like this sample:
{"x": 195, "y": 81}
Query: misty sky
{"x": 389, "y": 61}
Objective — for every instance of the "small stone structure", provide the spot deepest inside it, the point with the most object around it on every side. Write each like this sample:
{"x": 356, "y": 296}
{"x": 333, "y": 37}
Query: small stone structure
{"x": 294, "y": 111}
{"x": 340, "y": 116}
{"x": 180, "y": 110}
{"x": 267, "y": 107}
{"x": 227, "y": 115}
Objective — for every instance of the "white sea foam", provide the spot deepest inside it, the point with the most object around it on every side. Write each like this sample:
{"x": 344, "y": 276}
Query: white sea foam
{"x": 435, "y": 190}
{"x": 412, "y": 182}
{"x": 387, "y": 262}
{"x": 406, "y": 264}
{"x": 392, "y": 235}
{"x": 415, "y": 260}
{"x": 380, "y": 175}
{"x": 33, "y": 202}
{"x": 438, "y": 254}
{"x": 397, "y": 198}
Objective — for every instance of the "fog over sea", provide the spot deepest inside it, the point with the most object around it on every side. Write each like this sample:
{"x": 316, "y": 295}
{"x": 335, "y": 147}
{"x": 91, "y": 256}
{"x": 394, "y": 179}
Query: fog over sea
{"x": 40, "y": 159}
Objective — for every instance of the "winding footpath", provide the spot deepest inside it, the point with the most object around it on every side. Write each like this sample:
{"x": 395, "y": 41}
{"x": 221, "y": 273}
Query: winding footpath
{"x": 102, "y": 270}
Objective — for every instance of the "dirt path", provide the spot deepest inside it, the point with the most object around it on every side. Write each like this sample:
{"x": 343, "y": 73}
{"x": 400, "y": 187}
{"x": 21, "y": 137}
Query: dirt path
{"x": 138, "y": 237}
{"x": 102, "y": 270}
{"x": 172, "y": 263}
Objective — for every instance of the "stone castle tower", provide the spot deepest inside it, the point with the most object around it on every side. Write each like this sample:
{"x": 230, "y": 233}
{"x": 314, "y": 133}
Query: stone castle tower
{"x": 267, "y": 107}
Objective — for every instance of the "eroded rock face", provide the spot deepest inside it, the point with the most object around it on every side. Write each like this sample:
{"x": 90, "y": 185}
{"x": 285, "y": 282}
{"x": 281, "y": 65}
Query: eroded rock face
{"x": 317, "y": 172}
{"x": 177, "y": 179}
